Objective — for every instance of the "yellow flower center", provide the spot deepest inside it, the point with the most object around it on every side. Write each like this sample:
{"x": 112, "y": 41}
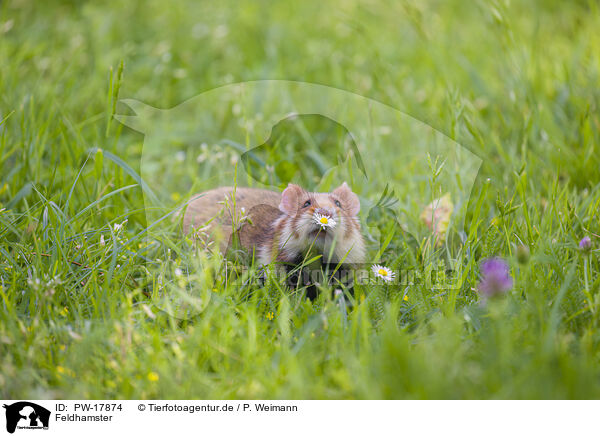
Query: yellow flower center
{"x": 324, "y": 220}
{"x": 382, "y": 272}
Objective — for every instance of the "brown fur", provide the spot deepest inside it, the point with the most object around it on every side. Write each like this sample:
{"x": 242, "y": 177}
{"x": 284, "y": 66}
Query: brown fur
{"x": 215, "y": 207}
{"x": 274, "y": 225}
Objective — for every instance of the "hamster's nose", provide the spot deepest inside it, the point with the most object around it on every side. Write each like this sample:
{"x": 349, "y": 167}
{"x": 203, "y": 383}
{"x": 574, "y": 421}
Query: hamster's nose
{"x": 326, "y": 212}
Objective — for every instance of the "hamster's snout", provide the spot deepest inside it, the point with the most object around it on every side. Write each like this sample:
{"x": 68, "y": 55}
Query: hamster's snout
{"x": 326, "y": 212}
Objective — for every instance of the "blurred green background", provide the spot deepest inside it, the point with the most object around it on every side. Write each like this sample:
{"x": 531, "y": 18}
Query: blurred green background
{"x": 516, "y": 83}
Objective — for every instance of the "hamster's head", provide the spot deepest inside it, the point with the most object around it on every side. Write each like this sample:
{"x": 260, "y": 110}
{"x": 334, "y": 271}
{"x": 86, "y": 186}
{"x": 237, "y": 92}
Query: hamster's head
{"x": 319, "y": 219}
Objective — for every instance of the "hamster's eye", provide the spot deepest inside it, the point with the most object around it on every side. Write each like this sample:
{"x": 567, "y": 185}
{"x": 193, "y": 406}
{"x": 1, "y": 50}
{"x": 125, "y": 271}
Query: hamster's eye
{"x": 307, "y": 203}
{"x": 337, "y": 203}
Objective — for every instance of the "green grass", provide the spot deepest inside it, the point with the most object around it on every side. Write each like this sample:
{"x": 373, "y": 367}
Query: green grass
{"x": 515, "y": 83}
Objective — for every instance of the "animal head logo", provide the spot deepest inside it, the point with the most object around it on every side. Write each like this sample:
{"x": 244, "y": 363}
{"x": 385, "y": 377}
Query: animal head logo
{"x": 24, "y": 414}
{"x": 272, "y": 132}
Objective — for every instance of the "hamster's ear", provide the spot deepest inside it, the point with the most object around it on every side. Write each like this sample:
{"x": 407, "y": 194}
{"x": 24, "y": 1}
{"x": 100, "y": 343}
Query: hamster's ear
{"x": 289, "y": 199}
{"x": 348, "y": 198}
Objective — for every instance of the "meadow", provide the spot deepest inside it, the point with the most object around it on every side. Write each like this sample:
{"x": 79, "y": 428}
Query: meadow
{"x": 514, "y": 83}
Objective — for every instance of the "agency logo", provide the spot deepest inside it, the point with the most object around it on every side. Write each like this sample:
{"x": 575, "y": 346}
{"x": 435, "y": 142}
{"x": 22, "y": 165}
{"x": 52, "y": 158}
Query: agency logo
{"x": 413, "y": 182}
{"x": 26, "y": 415}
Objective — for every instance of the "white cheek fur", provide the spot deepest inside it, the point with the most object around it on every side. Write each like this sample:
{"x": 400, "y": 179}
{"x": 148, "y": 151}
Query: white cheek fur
{"x": 295, "y": 238}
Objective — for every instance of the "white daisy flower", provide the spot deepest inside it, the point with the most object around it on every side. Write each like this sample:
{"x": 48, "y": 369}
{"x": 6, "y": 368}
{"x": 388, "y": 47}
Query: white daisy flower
{"x": 383, "y": 272}
{"x": 324, "y": 221}
{"x": 178, "y": 272}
